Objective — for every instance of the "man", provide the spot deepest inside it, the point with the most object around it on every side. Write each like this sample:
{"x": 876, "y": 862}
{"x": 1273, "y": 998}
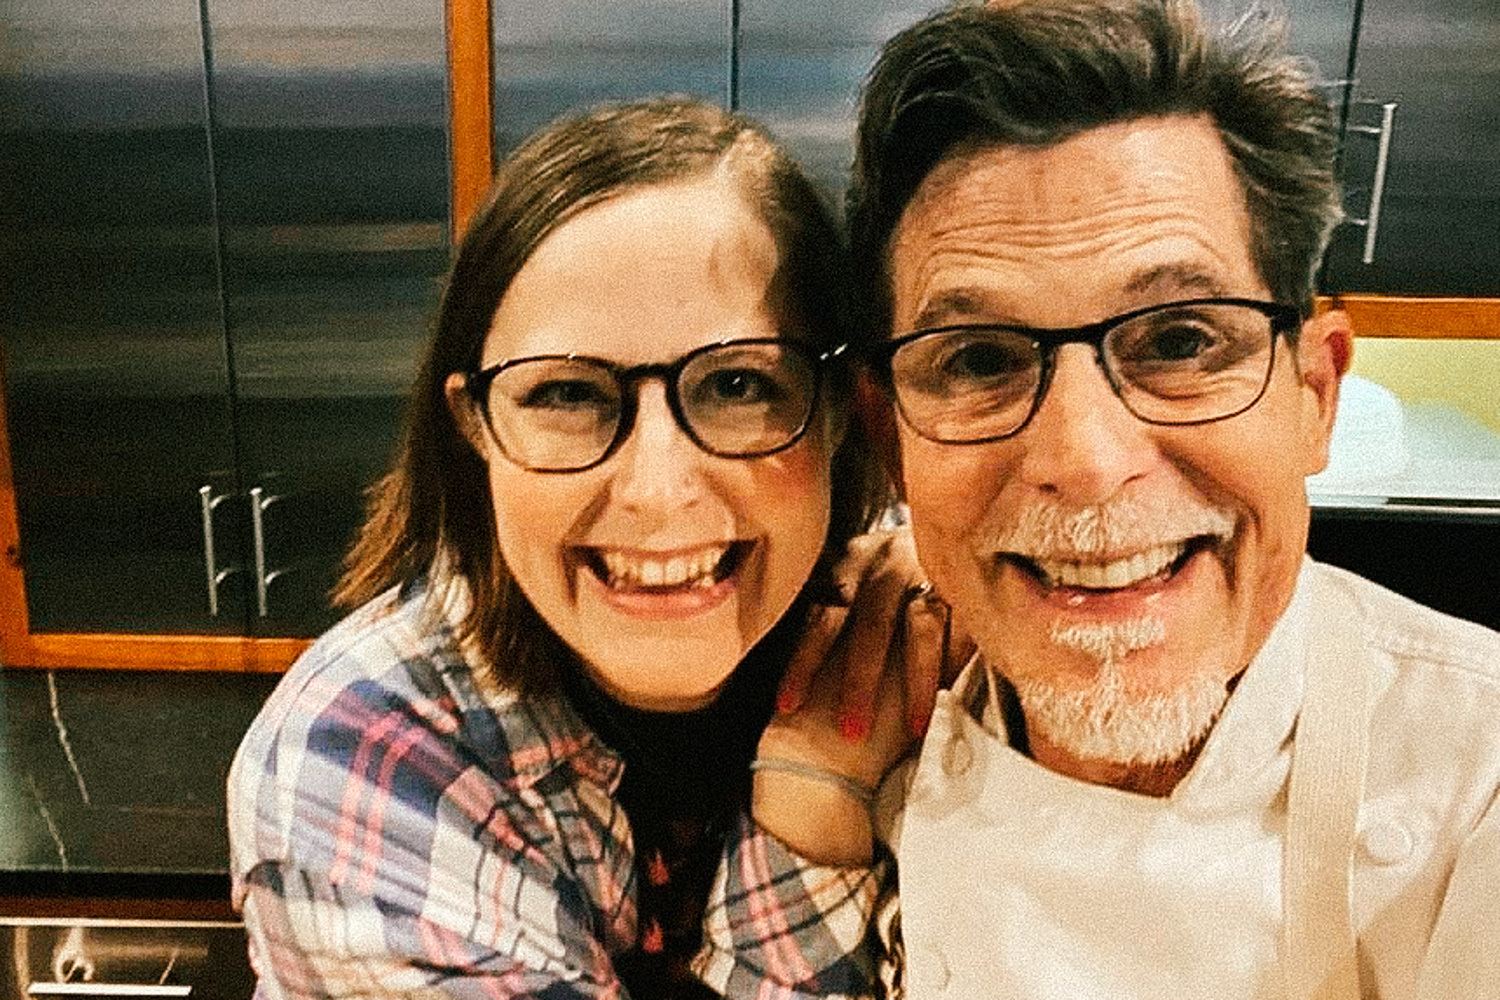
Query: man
{"x": 1187, "y": 762}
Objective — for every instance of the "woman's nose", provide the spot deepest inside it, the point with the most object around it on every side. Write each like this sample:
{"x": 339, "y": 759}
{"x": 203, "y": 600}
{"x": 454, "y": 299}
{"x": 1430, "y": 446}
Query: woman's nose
{"x": 659, "y": 465}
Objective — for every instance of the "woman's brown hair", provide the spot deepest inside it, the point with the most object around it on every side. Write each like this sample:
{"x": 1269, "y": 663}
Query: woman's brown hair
{"x": 434, "y": 508}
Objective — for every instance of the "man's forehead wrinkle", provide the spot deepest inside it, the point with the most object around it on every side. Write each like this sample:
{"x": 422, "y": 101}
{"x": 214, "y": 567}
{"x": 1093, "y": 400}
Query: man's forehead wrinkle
{"x": 951, "y": 277}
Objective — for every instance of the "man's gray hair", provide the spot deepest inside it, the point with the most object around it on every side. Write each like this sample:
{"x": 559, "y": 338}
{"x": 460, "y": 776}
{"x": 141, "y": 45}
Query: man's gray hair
{"x": 1036, "y": 72}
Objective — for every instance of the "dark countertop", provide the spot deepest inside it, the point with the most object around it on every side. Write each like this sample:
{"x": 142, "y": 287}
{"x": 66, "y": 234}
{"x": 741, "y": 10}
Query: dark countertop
{"x": 119, "y": 773}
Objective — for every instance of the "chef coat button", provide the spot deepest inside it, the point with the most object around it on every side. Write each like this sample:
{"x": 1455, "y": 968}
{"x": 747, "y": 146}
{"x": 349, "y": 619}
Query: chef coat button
{"x": 1386, "y": 842}
{"x": 958, "y": 757}
{"x": 927, "y": 970}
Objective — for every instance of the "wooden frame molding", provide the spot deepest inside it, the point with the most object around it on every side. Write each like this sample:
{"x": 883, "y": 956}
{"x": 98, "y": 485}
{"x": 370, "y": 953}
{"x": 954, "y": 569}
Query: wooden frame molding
{"x": 470, "y": 107}
{"x": 1418, "y": 317}
{"x": 471, "y": 150}
{"x": 472, "y": 156}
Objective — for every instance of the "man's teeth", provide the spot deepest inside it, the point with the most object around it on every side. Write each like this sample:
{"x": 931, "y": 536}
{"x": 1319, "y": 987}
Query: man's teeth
{"x": 696, "y": 568}
{"x": 1110, "y": 575}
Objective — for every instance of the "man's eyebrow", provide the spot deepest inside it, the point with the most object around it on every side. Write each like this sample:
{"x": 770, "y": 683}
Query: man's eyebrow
{"x": 1177, "y": 278}
{"x": 957, "y": 305}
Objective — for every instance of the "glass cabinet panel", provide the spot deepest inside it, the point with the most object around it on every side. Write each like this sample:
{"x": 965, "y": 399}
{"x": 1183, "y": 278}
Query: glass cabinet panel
{"x": 801, "y": 66}
{"x": 1408, "y": 430}
{"x": 330, "y": 132}
{"x": 223, "y": 245}
{"x": 116, "y": 376}
{"x": 563, "y": 55}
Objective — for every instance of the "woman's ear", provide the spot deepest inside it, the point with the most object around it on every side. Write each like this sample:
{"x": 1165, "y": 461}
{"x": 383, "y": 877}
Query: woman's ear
{"x": 1325, "y": 349}
{"x": 465, "y": 416}
{"x": 873, "y": 407}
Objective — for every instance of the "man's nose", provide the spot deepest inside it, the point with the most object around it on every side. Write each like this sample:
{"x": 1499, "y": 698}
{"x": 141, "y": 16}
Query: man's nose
{"x": 1082, "y": 445}
{"x": 658, "y": 462}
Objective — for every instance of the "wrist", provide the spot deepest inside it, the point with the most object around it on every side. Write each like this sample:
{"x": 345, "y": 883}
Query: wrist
{"x": 824, "y": 816}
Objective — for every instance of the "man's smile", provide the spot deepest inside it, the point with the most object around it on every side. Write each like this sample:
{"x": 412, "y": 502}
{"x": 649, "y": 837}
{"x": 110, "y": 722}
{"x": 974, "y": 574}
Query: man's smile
{"x": 1149, "y": 564}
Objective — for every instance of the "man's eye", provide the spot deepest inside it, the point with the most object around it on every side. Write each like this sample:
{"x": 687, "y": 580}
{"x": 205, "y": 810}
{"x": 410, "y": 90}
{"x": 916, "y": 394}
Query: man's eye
{"x": 566, "y": 394}
{"x": 1178, "y": 342}
{"x": 984, "y": 361}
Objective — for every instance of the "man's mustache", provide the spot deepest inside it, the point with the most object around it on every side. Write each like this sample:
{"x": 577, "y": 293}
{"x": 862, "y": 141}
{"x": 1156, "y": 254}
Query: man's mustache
{"x": 1118, "y": 527}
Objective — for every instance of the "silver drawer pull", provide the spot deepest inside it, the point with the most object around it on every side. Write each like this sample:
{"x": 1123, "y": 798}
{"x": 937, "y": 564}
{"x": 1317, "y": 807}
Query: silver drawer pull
{"x": 106, "y": 990}
{"x": 1382, "y": 135}
{"x": 209, "y": 504}
{"x": 260, "y": 501}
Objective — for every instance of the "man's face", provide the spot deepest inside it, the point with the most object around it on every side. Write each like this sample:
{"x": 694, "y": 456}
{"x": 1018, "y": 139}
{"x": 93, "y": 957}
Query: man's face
{"x": 1118, "y": 573}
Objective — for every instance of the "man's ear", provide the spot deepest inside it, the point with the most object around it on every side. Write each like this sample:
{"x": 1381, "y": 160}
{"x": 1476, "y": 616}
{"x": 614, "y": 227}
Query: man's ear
{"x": 878, "y": 417}
{"x": 461, "y": 406}
{"x": 1325, "y": 350}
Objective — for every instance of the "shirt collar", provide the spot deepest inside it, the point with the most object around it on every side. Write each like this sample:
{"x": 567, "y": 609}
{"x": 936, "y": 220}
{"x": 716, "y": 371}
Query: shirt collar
{"x": 541, "y": 732}
{"x": 1247, "y": 754}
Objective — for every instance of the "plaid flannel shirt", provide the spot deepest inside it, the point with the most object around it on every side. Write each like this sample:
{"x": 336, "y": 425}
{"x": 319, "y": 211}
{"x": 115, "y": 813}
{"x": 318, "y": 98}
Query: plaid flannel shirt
{"x": 395, "y": 831}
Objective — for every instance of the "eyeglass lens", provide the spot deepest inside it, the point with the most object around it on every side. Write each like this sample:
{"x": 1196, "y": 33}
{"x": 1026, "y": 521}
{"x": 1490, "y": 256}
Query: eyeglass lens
{"x": 1180, "y": 364}
{"x": 733, "y": 400}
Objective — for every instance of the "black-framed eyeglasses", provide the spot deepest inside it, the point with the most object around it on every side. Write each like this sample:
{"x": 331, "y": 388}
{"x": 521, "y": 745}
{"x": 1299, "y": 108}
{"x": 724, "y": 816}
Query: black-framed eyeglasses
{"x": 1189, "y": 362}
{"x": 569, "y": 412}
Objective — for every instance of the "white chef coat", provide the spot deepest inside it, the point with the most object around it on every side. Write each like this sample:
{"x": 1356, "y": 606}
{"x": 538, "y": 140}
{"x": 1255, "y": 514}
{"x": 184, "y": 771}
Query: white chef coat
{"x": 1019, "y": 882}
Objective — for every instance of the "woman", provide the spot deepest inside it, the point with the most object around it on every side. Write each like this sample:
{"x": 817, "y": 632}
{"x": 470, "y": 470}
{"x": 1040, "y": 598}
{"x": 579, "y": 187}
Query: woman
{"x": 627, "y": 465}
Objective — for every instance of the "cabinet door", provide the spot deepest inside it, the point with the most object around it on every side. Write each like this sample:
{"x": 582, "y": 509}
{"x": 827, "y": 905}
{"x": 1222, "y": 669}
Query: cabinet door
{"x": 116, "y": 379}
{"x": 1320, "y": 31}
{"x": 801, "y": 66}
{"x": 1439, "y": 215}
{"x": 330, "y": 135}
{"x": 562, "y": 55}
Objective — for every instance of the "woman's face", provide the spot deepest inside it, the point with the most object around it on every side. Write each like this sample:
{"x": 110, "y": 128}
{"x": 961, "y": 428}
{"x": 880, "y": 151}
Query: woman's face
{"x": 662, "y": 565}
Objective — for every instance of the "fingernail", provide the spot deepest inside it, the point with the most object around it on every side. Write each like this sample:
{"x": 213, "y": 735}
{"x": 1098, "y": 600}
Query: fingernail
{"x": 786, "y": 702}
{"x": 852, "y": 728}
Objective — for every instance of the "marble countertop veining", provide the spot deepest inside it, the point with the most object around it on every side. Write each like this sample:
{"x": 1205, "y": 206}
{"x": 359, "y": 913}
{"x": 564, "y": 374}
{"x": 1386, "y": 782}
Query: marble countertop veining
{"x": 119, "y": 772}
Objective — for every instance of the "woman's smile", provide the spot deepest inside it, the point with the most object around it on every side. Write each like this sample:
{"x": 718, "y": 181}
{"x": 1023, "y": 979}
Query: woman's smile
{"x": 664, "y": 586}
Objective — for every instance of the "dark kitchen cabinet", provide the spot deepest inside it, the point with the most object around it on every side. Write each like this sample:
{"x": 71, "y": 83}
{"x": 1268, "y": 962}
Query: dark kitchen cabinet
{"x": 801, "y": 66}
{"x": 562, "y": 55}
{"x": 224, "y": 233}
{"x": 1425, "y": 93}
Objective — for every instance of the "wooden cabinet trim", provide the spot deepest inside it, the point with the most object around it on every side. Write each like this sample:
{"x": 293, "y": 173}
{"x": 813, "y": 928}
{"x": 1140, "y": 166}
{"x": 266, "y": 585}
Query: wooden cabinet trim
{"x": 470, "y": 107}
{"x": 108, "y": 651}
{"x": 1418, "y": 317}
{"x": 471, "y": 131}
{"x": 14, "y": 625}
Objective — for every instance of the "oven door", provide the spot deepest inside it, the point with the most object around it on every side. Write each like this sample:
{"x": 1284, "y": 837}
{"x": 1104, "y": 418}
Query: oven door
{"x": 45, "y": 958}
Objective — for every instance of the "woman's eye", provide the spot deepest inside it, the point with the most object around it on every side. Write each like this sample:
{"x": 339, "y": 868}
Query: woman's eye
{"x": 738, "y": 386}
{"x": 565, "y": 394}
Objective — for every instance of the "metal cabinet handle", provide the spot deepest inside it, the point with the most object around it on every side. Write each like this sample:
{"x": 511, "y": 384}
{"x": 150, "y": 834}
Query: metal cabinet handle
{"x": 260, "y": 502}
{"x": 208, "y": 502}
{"x": 107, "y": 990}
{"x": 1382, "y": 132}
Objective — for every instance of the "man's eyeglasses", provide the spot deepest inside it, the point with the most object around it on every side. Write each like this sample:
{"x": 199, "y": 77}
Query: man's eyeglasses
{"x": 1190, "y": 362}
{"x": 567, "y": 413}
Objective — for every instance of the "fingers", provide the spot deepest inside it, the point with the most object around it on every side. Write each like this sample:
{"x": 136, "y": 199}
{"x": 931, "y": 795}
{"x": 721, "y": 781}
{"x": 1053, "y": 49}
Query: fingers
{"x": 865, "y": 646}
{"x": 924, "y": 642}
{"x": 824, "y": 623}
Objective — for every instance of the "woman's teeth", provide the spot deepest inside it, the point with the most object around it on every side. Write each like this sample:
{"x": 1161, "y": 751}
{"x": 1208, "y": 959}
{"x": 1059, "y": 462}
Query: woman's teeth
{"x": 695, "y": 569}
{"x": 1110, "y": 575}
